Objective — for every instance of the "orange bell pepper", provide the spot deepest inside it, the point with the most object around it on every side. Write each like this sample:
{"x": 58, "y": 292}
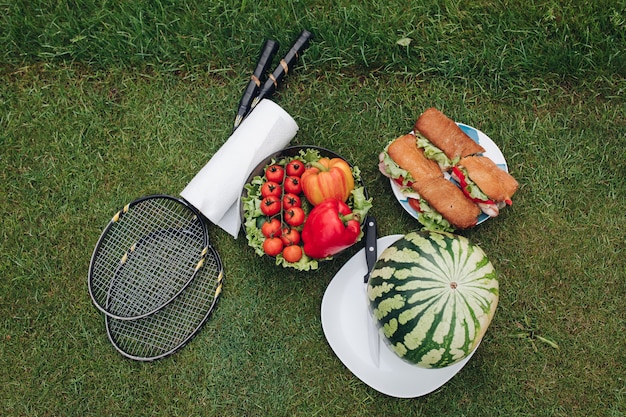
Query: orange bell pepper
{"x": 327, "y": 178}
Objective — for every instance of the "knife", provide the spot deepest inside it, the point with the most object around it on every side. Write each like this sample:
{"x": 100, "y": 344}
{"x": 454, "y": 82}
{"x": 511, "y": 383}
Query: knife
{"x": 371, "y": 255}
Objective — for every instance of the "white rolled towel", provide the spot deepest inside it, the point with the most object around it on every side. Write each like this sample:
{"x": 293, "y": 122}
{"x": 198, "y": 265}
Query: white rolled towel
{"x": 216, "y": 189}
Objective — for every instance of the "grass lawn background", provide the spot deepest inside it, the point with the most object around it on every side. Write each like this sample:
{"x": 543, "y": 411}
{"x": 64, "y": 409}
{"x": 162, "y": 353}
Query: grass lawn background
{"x": 105, "y": 101}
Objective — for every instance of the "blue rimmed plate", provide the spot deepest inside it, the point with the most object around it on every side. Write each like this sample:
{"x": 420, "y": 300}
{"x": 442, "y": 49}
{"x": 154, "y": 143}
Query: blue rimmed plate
{"x": 491, "y": 151}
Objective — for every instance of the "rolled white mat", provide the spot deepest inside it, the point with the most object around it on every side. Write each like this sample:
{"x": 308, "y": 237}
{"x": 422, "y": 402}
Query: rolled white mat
{"x": 216, "y": 189}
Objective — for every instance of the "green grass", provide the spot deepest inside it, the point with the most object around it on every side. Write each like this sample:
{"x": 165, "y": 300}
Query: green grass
{"x": 102, "y": 102}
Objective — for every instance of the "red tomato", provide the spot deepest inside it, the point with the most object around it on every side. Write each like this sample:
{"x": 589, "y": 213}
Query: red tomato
{"x": 271, "y": 228}
{"x": 271, "y": 188}
{"x": 292, "y": 253}
{"x": 415, "y": 204}
{"x": 293, "y": 185}
{"x": 294, "y": 216}
{"x": 400, "y": 181}
{"x": 272, "y": 246}
{"x": 291, "y": 200}
{"x": 270, "y": 205}
{"x": 290, "y": 236}
{"x": 295, "y": 168}
{"x": 275, "y": 173}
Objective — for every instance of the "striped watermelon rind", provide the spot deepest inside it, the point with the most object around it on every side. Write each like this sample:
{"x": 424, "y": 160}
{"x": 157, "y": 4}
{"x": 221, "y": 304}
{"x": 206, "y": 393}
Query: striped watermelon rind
{"x": 433, "y": 295}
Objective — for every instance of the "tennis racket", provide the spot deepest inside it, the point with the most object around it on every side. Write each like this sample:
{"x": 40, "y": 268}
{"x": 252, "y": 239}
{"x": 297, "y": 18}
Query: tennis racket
{"x": 155, "y": 275}
{"x": 168, "y": 330}
{"x": 150, "y": 251}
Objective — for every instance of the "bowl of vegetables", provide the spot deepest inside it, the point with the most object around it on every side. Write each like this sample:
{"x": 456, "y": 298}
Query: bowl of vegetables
{"x": 303, "y": 205}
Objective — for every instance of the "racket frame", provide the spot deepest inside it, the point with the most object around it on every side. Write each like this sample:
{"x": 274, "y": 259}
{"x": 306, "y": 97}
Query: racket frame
{"x": 103, "y": 305}
{"x": 181, "y": 305}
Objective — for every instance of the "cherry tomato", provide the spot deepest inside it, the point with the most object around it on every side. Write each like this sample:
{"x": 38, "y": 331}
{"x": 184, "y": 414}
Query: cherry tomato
{"x": 290, "y": 236}
{"x": 294, "y": 216}
{"x": 271, "y": 188}
{"x": 292, "y": 253}
{"x": 270, "y": 205}
{"x": 271, "y": 228}
{"x": 291, "y": 200}
{"x": 295, "y": 168}
{"x": 275, "y": 173}
{"x": 272, "y": 246}
{"x": 292, "y": 185}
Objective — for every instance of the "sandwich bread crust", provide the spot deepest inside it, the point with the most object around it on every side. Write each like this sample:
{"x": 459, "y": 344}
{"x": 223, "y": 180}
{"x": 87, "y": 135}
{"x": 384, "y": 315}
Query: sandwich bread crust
{"x": 442, "y": 132}
{"x": 408, "y": 156}
{"x": 496, "y": 183}
{"x": 446, "y": 198}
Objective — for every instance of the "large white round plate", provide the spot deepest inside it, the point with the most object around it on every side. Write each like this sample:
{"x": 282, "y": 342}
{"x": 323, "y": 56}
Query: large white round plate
{"x": 345, "y": 324}
{"x": 491, "y": 151}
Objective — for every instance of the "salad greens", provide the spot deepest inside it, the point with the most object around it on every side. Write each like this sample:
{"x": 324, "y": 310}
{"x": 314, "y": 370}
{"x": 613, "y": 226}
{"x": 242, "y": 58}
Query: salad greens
{"x": 434, "y": 153}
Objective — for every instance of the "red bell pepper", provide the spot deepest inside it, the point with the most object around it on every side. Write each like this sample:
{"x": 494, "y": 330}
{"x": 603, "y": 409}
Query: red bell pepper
{"x": 330, "y": 228}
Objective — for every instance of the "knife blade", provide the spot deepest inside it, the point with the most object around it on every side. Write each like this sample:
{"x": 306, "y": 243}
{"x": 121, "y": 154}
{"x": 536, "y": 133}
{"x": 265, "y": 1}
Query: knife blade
{"x": 371, "y": 255}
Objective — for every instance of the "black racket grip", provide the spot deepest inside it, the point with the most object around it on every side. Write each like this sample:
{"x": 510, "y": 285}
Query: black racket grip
{"x": 286, "y": 64}
{"x": 265, "y": 59}
{"x": 254, "y": 85}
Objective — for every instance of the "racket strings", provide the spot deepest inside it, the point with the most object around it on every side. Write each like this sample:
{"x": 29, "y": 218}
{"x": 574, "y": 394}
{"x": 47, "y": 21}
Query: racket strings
{"x": 163, "y": 275}
{"x": 146, "y": 256}
{"x": 163, "y": 332}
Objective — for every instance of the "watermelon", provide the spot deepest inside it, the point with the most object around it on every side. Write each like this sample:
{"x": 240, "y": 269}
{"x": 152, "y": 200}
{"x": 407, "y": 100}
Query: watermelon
{"x": 433, "y": 295}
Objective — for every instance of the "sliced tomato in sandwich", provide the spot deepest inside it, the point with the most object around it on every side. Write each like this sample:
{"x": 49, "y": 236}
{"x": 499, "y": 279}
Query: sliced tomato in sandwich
{"x": 489, "y": 207}
{"x": 400, "y": 182}
{"x": 415, "y": 204}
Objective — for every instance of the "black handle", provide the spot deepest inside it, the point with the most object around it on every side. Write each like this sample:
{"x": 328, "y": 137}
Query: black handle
{"x": 286, "y": 64}
{"x": 254, "y": 85}
{"x": 371, "y": 236}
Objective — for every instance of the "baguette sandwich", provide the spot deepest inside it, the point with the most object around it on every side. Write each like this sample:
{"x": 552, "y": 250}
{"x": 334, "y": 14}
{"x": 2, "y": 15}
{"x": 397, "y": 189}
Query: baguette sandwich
{"x": 447, "y": 200}
{"x": 406, "y": 163}
{"x": 440, "y": 204}
{"x": 484, "y": 183}
{"x": 442, "y": 140}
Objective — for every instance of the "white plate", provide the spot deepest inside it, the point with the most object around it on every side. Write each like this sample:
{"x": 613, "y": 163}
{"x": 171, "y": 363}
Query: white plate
{"x": 345, "y": 322}
{"x": 491, "y": 151}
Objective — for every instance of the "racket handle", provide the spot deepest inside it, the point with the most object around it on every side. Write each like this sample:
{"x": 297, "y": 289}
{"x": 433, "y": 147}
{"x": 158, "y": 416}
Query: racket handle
{"x": 265, "y": 60}
{"x": 286, "y": 64}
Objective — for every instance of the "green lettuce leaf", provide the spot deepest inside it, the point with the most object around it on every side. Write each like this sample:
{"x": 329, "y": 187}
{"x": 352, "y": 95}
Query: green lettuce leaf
{"x": 394, "y": 171}
{"x": 432, "y": 220}
{"x": 434, "y": 153}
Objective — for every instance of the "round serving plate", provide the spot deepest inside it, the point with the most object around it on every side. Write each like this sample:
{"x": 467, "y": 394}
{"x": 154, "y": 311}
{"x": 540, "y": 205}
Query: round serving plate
{"x": 346, "y": 326}
{"x": 491, "y": 151}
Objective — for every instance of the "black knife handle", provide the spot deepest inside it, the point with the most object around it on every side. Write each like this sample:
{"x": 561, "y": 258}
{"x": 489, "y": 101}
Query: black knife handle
{"x": 371, "y": 236}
